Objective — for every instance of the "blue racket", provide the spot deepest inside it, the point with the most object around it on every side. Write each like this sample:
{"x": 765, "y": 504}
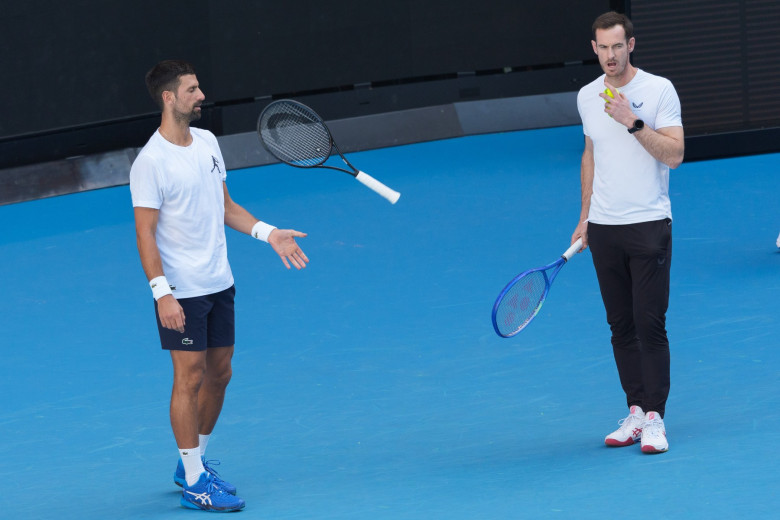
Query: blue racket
{"x": 523, "y": 297}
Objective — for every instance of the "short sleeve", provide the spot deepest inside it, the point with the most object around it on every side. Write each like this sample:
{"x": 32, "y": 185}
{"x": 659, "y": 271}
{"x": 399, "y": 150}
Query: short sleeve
{"x": 146, "y": 187}
{"x": 580, "y": 97}
{"x": 669, "y": 110}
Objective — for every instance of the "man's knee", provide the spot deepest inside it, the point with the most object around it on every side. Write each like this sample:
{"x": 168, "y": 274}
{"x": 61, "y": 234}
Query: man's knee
{"x": 219, "y": 377}
{"x": 624, "y": 335}
{"x": 219, "y": 369}
{"x": 189, "y": 370}
{"x": 651, "y": 329}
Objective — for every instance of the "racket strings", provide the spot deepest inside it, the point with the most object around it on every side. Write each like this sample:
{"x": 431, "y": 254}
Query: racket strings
{"x": 295, "y": 135}
{"x": 521, "y": 302}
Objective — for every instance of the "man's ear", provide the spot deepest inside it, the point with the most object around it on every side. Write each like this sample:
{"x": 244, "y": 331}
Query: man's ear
{"x": 168, "y": 97}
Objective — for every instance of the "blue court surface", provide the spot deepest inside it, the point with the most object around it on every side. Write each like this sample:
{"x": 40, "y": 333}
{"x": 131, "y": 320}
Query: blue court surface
{"x": 371, "y": 385}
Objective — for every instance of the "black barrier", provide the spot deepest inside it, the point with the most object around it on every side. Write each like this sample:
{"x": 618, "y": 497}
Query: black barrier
{"x": 74, "y": 79}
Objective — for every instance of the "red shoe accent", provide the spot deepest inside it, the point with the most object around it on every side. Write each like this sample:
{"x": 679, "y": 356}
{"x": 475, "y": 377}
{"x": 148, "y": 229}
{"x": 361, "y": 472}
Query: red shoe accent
{"x": 614, "y": 443}
{"x": 651, "y": 449}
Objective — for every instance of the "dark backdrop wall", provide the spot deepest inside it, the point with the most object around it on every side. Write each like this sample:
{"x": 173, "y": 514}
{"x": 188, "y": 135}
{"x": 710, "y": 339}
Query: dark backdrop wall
{"x": 72, "y": 72}
{"x": 723, "y": 57}
{"x": 69, "y": 67}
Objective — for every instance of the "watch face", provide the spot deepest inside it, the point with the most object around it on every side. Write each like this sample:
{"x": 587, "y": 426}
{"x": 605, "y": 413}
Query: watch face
{"x": 638, "y": 125}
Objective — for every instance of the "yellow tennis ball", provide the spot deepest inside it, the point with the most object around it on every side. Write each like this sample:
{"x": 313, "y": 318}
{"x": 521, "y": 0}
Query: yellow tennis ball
{"x": 610, "y": 94}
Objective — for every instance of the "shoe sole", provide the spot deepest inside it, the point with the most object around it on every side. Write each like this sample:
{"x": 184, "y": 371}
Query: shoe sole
{"x": 613, "y": 443}
{"x": 652, "y": 450}
{"x": 180, "y": 482}
{"x": 190, "y": 505}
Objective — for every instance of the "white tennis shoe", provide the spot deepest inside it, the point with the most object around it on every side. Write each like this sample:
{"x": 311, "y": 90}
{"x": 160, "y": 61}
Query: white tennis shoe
{"x": 654, "y": 434}
{"x": 630, "y": 430}
{"x": 778, "y": 240}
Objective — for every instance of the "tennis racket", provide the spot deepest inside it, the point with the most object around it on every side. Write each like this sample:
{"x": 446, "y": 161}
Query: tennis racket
{"x": 296, "y": 135}
{"x": 523, "y": 297}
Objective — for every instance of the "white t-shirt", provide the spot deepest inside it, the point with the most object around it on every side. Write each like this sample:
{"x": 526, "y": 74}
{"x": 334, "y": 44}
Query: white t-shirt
{"x": 185, "y": 183}
{"x": 629, "y": 185}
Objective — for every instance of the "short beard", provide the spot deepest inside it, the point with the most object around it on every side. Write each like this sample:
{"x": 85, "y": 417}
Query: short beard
{"x": 187, "y": 118}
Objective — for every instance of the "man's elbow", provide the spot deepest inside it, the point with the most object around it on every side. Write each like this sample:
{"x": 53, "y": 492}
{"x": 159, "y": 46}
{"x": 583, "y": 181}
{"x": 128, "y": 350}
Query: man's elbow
{"x": 676, "y": 159}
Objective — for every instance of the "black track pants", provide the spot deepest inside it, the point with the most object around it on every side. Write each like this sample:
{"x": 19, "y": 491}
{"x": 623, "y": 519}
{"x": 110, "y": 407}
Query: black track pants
{"x": 632, "y": 263}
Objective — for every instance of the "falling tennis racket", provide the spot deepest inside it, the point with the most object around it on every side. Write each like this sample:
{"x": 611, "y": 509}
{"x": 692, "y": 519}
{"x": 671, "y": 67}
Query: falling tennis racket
{"x": 296, "y": 135}
{"x": 523, "y": 297}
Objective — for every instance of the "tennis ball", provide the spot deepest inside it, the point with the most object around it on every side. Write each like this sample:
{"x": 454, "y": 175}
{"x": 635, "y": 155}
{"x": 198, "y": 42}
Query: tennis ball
{"x": 610, "y": 94}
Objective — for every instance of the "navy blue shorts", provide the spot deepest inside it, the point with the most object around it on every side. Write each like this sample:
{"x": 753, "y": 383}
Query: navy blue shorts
{"x": 209, "y": 321}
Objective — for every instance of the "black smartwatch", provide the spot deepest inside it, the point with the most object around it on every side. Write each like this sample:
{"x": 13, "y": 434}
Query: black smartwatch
{"x": 638, "y": 125}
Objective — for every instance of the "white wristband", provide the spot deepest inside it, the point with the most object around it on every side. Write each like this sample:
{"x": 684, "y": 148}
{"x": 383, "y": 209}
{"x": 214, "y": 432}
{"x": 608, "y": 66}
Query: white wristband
{"x": 262, "y": 231}
{"x": 160, "y": 287}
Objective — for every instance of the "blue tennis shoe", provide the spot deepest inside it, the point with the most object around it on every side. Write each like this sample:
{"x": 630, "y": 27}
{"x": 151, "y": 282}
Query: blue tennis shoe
{"x": 181, "y": 481}
{"x": 206, "y": 495}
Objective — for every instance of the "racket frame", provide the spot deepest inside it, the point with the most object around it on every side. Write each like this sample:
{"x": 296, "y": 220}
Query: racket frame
{"x": 554, "y": 269}
{"x": 364, "y": 178}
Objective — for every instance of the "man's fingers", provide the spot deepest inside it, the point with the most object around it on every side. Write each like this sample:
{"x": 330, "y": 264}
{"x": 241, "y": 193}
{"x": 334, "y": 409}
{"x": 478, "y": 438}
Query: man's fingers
{"x": 172, "y": 317}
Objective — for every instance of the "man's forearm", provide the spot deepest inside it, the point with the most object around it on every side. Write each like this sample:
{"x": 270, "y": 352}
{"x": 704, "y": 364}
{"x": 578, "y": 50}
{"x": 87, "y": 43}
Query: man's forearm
{"x": 668, "y": 149}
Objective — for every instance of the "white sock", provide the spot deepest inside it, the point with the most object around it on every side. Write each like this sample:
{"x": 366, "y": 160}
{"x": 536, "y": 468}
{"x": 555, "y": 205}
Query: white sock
{"x": 204, "y": 441}
{"x": 193, "y": 466}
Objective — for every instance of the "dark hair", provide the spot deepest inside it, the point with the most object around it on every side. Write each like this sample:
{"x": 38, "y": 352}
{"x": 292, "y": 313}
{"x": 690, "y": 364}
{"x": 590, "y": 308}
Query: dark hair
{"x": 165, "y": 76}
{"x": 610, "y": 20}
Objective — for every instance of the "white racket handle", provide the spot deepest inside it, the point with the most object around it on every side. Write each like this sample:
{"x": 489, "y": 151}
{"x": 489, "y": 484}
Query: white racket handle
{"x": 378, "y": 187}
{"x": 576, "y": 246}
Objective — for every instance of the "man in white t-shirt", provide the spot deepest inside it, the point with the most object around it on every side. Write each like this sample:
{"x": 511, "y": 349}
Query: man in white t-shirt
{"x": 633, "y": 136}
{"x": 181, "y": 204}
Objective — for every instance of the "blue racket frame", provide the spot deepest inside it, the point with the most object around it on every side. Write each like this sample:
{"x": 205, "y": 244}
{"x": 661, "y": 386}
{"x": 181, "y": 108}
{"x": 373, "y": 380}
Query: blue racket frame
{"x": 549, "y": 272}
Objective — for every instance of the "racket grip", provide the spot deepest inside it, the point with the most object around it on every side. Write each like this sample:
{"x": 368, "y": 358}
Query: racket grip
{"x": 576, "y": 246}
{"x": 378, "y": 187}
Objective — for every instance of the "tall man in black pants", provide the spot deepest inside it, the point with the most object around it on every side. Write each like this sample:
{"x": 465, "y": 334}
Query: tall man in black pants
{"x": 633, "y": 136}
